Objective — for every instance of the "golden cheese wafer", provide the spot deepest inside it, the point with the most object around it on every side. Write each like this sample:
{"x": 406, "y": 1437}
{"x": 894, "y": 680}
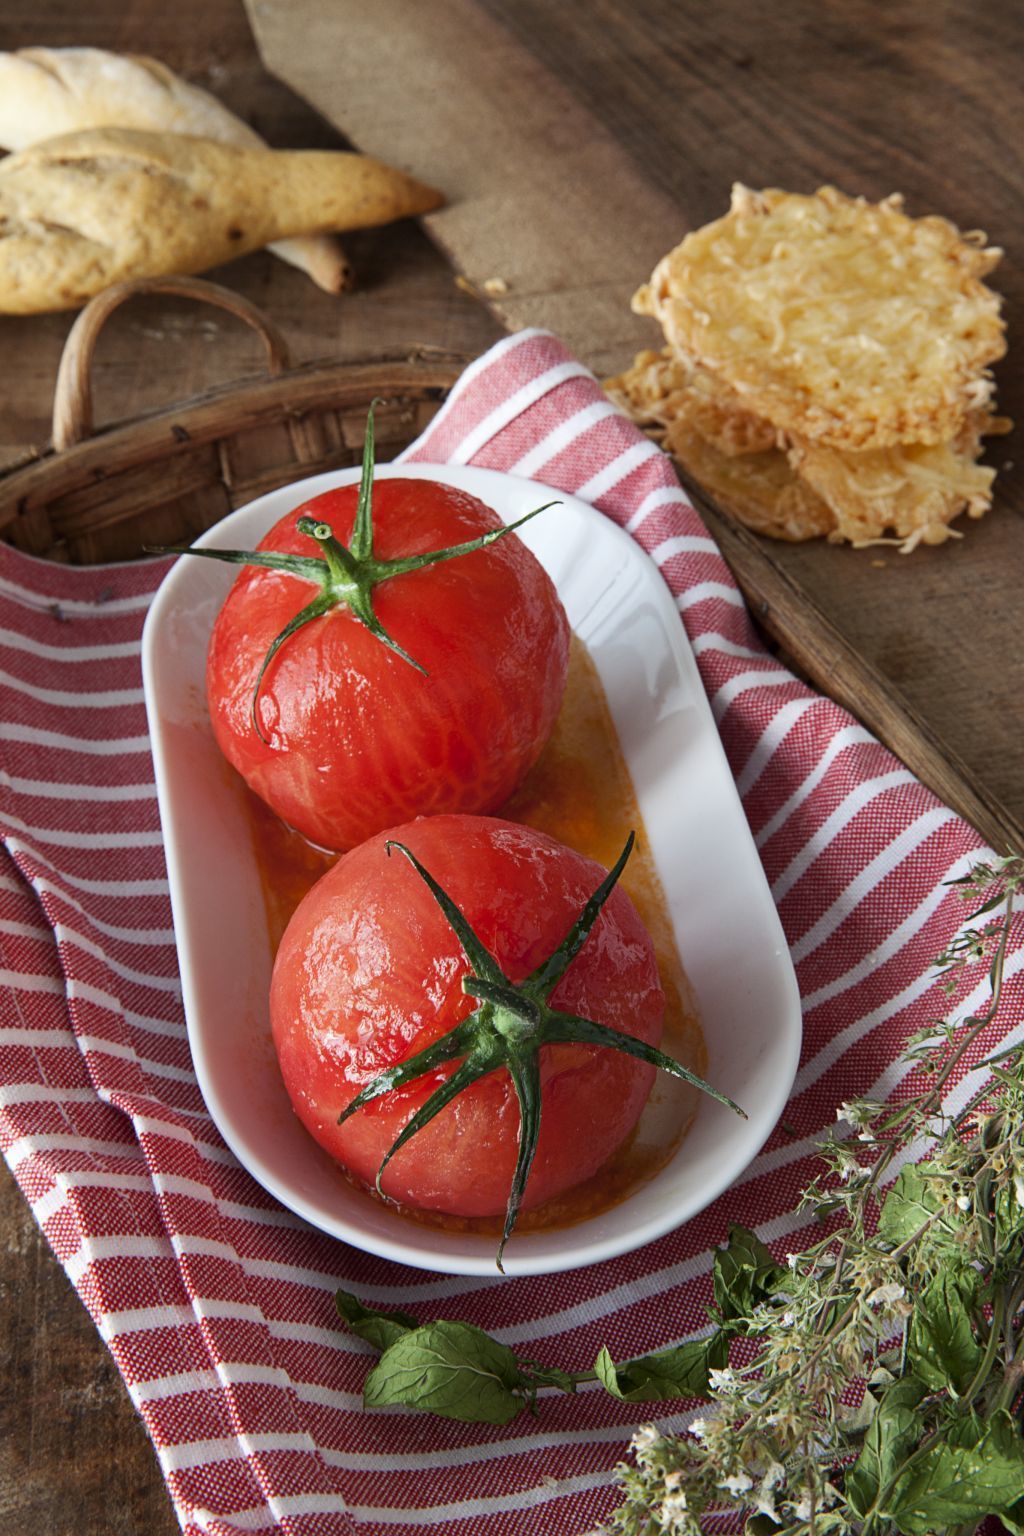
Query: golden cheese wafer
{"x": 837, "y": 320}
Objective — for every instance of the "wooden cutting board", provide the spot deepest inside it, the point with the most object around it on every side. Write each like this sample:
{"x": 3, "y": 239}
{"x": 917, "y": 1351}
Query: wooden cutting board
{"x": 578, "y": 142}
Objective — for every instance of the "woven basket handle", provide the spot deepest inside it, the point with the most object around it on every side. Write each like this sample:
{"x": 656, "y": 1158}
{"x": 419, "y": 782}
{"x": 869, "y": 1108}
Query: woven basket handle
{"x": 72, "y": 401}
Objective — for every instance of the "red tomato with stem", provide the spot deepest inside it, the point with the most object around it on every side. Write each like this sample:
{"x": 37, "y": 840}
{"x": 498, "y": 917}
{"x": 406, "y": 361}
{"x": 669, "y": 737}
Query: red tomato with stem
{"x": 405, "y": 691}
{"x": 370, "y": 973}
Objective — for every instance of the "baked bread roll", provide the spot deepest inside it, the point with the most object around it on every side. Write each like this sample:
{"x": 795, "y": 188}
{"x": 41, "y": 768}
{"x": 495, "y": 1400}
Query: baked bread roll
{"x": 45, "y": 92}
{"x": 80, "y": 212}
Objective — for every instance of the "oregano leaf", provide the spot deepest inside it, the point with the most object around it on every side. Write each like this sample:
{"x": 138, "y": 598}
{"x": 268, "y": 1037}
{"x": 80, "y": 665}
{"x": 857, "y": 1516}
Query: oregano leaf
{"x": 451, "y": 1369}
{"x": 967, "y": 1430}
{"x": 891, "y": 1436}
{"x": 380, "y": 1329}
{"x": 678, "y": 1372}
{"x": 910, "y": 1202}
{"x": 941, "y": 1346}
{"x": 745, "y": 1274}
{"x": 1005, "y": 1435}
{"x": 951, "y": 1485}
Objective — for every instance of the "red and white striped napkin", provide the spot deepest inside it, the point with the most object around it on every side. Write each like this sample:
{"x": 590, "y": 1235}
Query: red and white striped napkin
{"x": 216, "y": 1303}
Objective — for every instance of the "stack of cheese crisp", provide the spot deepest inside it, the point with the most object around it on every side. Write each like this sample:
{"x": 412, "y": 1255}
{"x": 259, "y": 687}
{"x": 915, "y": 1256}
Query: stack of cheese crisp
{"x": 826, "y": 367}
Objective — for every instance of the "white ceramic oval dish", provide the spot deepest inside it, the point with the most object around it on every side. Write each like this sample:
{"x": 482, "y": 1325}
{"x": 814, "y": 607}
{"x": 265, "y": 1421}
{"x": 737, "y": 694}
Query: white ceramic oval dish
{"x": 727, "y": 929}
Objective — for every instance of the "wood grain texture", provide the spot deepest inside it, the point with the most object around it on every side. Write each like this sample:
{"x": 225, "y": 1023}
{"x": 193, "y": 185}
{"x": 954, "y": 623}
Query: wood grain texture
{"x": 818, "y": 650}
{"x": 556, "y": 214}
{"x": 648, "y": 112}
{"x": 922, "y": 99}
{"x": 73, "y": 415}
{"x": 74, "y": 1457}
{"x": 690, "y": 97}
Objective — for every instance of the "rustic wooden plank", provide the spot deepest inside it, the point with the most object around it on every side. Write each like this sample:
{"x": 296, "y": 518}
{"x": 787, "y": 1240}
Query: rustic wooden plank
{"x": 540, "y": 199}
{"x": 582, "y": 142}
{"x": 159, "y": 350}
{"x": 785, "y": 612}
{"x": 873, "y": 99}
{"x": 74, "y": 1457}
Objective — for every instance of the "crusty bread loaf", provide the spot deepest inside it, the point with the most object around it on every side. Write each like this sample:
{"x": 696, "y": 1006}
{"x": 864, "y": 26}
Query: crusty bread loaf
{"x": 45, "y": 92}
{"x": 85, "y": 210}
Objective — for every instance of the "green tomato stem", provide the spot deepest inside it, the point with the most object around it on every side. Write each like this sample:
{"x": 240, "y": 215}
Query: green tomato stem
{"x": 343, "y": 567}
{"x": 347, "y": 577}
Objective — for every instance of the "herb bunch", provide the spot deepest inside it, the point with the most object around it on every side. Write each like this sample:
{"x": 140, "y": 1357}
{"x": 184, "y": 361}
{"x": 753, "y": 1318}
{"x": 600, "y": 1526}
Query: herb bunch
{"x": 915, "y": 1294}
{"x": 871, "y": 1384}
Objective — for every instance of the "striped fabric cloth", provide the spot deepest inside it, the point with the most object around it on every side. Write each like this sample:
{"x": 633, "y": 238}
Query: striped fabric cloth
{"x": 215, "y": 1302}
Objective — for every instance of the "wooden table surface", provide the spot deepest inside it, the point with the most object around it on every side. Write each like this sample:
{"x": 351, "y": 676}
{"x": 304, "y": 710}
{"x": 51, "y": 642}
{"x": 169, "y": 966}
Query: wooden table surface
{"x": 921, "y": 96}
{"x": 579, "y": 142}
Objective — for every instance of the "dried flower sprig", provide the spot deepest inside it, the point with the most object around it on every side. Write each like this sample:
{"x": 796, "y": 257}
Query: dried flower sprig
{"x": 881, "y": 1385}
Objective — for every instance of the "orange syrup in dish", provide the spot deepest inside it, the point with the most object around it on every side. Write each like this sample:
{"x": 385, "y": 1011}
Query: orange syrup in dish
{"x": 580, "y": 792}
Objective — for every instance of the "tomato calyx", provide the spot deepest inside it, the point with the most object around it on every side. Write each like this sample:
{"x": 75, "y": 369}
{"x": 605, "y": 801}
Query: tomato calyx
{"x": 507, "y": 1029}
{"x": 346, "y": 577}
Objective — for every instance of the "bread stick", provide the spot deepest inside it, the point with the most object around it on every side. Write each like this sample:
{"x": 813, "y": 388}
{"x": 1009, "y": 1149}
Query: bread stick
{"x": 85, "y": 210}
{"x": 46, "y": 92}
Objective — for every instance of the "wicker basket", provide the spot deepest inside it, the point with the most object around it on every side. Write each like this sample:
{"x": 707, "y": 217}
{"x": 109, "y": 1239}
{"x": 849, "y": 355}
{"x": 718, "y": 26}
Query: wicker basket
{"x": 165, "y": 477}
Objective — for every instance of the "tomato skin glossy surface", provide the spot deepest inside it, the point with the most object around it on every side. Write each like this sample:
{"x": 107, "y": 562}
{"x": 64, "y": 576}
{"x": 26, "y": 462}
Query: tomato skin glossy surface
{"x": 357, "y": 739}
{"x": 369, "y": 972}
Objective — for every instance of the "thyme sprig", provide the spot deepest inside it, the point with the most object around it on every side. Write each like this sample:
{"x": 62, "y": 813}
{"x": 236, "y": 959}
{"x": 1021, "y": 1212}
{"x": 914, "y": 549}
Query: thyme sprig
{"x": 881, "y": 1379}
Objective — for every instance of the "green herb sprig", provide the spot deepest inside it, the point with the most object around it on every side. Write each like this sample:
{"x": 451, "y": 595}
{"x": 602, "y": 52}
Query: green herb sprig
{"x": 916, "y": 1292}
{"x": 880, "y": 1384}
{"x": 457, "y": 1371}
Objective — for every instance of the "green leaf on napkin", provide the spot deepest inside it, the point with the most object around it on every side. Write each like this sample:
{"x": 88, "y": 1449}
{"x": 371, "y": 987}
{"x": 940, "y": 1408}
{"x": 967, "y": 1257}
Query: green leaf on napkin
{"x": 380, "y": 1329}
{"x": 451, "y": 1369}
{"x": 458, "y": 1371}
{"x": 679, "y": 1372}
{"x": 744, "y": 1274}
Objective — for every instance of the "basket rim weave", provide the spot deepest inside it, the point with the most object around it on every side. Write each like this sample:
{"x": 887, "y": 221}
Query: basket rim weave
{"x": 87, "y": 495}
{"x": 159, "y": 433}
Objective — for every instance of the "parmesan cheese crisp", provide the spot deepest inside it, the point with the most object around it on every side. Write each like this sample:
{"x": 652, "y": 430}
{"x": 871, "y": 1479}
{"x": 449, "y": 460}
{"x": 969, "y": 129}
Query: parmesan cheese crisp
{"x": 826, "y": 367}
